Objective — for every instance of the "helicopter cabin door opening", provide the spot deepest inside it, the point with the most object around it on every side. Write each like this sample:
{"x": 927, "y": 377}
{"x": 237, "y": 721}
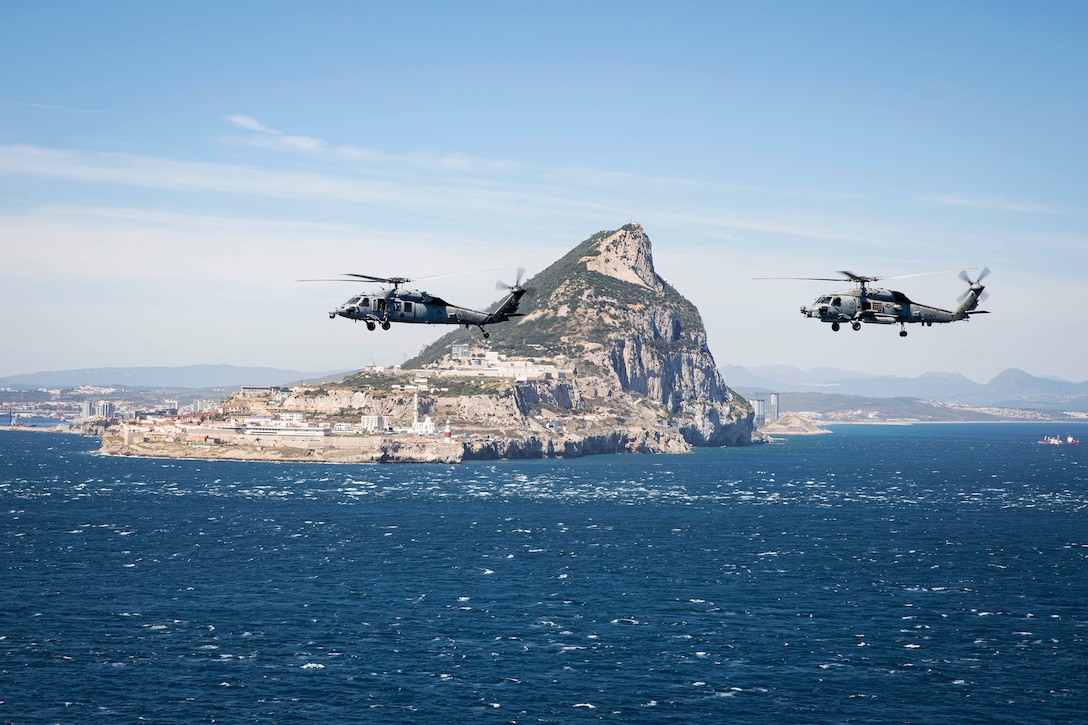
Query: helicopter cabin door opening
{"x": 403, "y": 310}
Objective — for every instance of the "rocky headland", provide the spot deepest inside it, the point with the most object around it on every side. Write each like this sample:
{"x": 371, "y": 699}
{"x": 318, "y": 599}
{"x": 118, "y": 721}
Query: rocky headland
{"x": 637, "y": 351}
{"x": 607, "y": 357}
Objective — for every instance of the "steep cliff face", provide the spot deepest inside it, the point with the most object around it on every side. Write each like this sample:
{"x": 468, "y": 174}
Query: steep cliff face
{"x": 340, "y": 400}
{"x": 639, "y": 347}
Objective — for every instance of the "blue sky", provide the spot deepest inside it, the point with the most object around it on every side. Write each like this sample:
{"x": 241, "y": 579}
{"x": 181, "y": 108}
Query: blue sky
{"x": 167, "y": 171}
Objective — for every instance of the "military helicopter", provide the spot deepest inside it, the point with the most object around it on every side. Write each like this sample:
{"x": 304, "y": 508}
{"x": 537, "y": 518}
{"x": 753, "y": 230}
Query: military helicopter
{"x": 887, "y": 307}
{"x": 393, "y": 304}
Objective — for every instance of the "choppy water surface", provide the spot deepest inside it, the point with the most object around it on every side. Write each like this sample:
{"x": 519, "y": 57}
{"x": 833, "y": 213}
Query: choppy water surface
{"x": 880, "y": 574}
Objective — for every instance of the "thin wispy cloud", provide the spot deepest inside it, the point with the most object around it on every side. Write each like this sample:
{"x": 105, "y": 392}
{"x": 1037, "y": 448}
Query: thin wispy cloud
{"x": 277, "y": 139}
{"x": 54, "y": 107}
{"x": 436, "y": 194}
{"x": 434, "y": 162}
{"x": 447, "y": 185}
{"x": 250, "y": 124}
{"x": 160, "y": 173}
{"x": 428, "y": 161}
{"x": 994, "y": 204}
{"x": 397, "y": 185}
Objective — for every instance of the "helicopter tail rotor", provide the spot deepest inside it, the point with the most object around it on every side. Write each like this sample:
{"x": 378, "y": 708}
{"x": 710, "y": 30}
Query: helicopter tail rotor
{"x": 973, "y": 295}
{"x": 509, "y": 306}
{"x": 974, "y": 284}
{"x": 500, "y": 285}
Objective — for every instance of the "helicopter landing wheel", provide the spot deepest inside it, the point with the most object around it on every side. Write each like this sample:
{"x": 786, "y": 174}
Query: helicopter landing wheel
{"x": 385, "y": 324}
{"x": 486, "y": 334}
{"x": 902, "y": 333}
{"x": 834, "y": 327}
{"x": 370, "y": 325}
{"x": 855, "y": 326}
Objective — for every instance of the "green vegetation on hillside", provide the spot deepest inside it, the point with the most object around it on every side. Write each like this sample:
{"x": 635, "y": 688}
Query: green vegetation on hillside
{"x": 568, "y": 306}
{"x": 391, "y": 382}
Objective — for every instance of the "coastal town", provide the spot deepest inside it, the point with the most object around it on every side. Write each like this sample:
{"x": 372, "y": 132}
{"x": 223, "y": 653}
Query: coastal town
{"x": 386, "y": 414}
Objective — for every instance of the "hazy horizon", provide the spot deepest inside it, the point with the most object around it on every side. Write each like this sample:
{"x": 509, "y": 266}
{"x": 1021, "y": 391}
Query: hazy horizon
{"x": 769, "y": 369}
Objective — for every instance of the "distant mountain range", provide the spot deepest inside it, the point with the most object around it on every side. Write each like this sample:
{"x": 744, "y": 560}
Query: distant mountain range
{"x": 188, "y": 376}
{"x": 1011, "y": 388}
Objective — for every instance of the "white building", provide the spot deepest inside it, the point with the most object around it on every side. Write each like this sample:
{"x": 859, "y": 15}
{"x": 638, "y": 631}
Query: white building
{"x": 270, "y": 426}
{"x": 373, "y": 423}
{"x": 427, "y": 426}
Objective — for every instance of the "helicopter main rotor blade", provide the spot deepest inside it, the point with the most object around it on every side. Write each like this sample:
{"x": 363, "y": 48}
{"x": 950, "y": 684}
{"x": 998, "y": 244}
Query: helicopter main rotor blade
{"x": 863, "y": 278}
{"x": 920, "y": 274}
{"x": 328, "y": 280}
{"x": 816, "y": 279}
{"x": 848, "y": 276}
{"x": 383, "y": 280}
{"x": 404, "y": 280}
{"x": 395, "y": 281}
{"x": 456, "y": 274}
{"x": 858, "y": 277}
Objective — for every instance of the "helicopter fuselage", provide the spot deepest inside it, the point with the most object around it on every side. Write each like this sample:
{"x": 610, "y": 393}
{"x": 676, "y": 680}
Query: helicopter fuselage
{"x": 878, "y": 306}
{"x": 888, "y": 307}
{"x": 411, "y": 306}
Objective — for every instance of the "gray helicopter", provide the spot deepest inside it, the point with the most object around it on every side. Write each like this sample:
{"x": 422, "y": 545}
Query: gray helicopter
{"x": 887, "y": 307}
{"x": 394, "y": 304}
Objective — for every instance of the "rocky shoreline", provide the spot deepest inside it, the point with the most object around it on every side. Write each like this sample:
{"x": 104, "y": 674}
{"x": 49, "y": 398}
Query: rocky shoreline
{"x": 394, "y": 449}
{"x": 378, "y": 450}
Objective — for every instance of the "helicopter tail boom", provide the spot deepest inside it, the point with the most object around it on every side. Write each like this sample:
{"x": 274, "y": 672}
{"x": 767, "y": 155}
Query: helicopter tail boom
{"x": 508, "y": 307}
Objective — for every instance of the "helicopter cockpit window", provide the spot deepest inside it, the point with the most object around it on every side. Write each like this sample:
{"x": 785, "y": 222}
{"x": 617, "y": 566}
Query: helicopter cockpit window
{"x": 365, "y": 302}
{"x": 836, "y": 302}
{"x": 824, "y": 301}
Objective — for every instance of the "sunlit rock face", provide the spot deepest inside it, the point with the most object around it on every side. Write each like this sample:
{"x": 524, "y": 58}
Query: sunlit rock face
{"x": 637, "y": 346}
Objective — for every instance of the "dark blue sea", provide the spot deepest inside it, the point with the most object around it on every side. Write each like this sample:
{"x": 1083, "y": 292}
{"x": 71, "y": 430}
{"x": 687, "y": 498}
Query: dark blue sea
{"x": 881, "y": 574}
